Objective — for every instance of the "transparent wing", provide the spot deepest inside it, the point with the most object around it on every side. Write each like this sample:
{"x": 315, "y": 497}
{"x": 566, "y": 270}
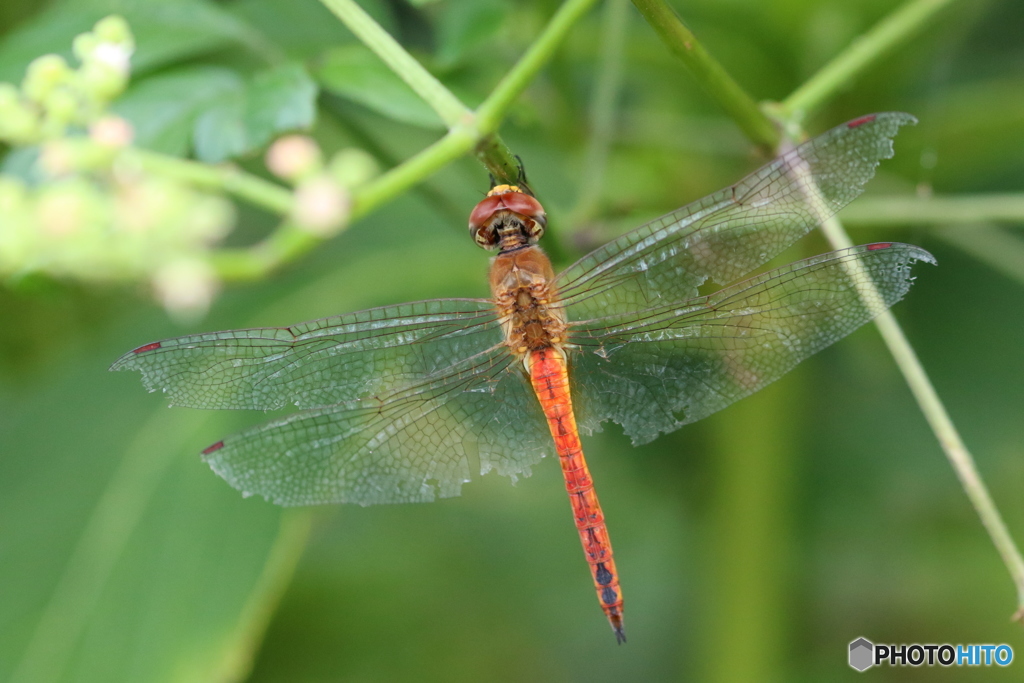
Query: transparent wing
{"x": 415, "y": 445}
{"x": 655, "y": 370}
{"x": 318, "y": 363}
{"x": 731, "y": 232}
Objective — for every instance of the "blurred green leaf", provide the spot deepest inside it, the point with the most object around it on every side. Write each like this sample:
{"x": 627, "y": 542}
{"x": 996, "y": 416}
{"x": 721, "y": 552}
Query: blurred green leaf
{"x": 301, "y": 28}
{"x": 466, "y": 24}
{"x": 280, "y": 99}
{"x": 124, "y": 558}
{"x": 165, "y": 32}
{"x": 355, "y": 73}
{"x": 163, "y": 108}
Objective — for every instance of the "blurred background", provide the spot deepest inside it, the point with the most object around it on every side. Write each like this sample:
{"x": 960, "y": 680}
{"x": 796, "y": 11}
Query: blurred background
{"x": 754, "y": 545}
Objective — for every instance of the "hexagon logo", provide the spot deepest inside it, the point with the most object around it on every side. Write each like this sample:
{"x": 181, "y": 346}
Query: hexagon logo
{"x": 862, "y": 653}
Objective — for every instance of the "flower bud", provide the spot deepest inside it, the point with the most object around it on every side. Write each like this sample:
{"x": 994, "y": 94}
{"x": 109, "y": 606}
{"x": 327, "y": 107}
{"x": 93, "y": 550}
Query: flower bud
{"x": 294, "y": 157}
{"x": 102, "y": 81}
{"x": 43, "y": 75}
{"x": 321, "y": 206}
{"x": 58, "y": 158}
{"x": 186, "y": 287}
{"x": 84, "y": 45}
{"x": 210, "y": 218}
{"x": 19, "y": 125}
{"x": 61, "y": 105}
{"x": 113, "y": 29}
{"x": 63, "y": 209}
{"x": 112, "y": 131}
{"x": 353, "y": 167}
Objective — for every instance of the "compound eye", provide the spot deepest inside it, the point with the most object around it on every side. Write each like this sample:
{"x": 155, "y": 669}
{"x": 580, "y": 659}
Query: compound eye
{"x": 485, "y": 236}
{"x": 535, "y": 227}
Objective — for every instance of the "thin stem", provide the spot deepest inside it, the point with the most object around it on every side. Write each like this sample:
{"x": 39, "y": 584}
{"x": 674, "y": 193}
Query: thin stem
{"x": 467, "y": 132}
{"x": 247, "y": 264}
{"x": 752, "y": 525}
{"x": 229, "y": 179}
{"x": 289, "y": 242}
{"x": 942, "y": 425}
{"x": 430, "y": 90}
{"x": 492, "y": 152}
{"x": 711, "y": 76}
{"x": 909, "y": 210}
{"x": 456, "y": 143}
{"x": 862, "y": 53}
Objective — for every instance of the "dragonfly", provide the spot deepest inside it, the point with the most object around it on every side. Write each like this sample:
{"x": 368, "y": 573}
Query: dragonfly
{"x": 406, "y": 403}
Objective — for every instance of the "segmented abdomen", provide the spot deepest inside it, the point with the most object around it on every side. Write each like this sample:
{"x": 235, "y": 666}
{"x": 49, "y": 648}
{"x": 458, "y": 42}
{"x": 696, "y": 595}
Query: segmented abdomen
{"x": 550, "y": 379}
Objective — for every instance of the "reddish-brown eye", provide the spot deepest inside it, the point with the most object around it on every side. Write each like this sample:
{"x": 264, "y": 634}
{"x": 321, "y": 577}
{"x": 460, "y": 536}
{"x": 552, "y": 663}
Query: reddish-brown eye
{"x": 523, "y": 204}
{"x": 483, "y": 211}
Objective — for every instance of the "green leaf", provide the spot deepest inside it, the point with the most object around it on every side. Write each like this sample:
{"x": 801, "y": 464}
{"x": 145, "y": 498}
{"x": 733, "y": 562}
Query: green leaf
{"x": 280, "y": 99}
{"x": 165, "y": 32}
{"x": 463, "y": 25}
{"x": 355, "y": 73}
{"x": 163, "y": 108}
{"x": 125, "y": 559}
{"x": 303, "y": 29}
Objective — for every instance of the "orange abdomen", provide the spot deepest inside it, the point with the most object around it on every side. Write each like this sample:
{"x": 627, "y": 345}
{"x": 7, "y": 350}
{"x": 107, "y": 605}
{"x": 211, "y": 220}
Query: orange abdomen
{"x": 550, "y": 379}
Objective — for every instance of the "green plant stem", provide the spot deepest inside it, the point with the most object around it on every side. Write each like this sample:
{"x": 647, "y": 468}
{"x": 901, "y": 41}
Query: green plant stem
{"x": 491, "y": 151}
{"x": 468, "y": 132}
{"x": 291, "y": 242}
{"x": 229, "y": 179}
{"x": 863, "y": 53}
{"x": 711, "y": 76}
{"x": 909, "y": 210}
{"x": 751, "y": 506}
{"x": 423, "y": 83}
{"x": 944, "y": 429}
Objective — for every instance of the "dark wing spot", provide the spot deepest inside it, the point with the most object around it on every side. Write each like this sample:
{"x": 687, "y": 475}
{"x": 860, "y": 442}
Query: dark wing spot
{"x": 879, "y": 245}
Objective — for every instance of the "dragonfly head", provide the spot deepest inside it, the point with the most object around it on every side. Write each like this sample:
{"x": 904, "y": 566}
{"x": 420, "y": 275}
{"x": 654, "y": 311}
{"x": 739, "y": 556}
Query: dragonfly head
{"x": 507, "y": 218}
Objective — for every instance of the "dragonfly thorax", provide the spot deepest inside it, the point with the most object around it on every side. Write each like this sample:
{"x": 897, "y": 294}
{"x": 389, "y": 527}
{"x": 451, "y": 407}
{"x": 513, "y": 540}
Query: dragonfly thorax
{"x": 526, "y": 299}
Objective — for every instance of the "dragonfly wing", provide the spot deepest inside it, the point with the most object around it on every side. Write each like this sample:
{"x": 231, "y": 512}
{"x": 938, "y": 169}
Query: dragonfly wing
{"x": 656, "y": 370}
{"x": 318, "y": 363}
{"x": 415, "y": 445}
{"x": 731, "y": 232}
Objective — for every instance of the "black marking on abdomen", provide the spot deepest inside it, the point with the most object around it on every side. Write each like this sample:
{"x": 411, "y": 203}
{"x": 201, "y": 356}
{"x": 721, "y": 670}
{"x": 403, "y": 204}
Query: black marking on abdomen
{"x": 602, "y": 575}
{"x": 609, "y": 596}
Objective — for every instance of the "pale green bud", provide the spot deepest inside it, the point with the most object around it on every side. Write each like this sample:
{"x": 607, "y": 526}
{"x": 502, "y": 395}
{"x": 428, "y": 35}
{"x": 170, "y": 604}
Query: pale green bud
{"x": 353, "y": 167}
{"x": 113, "y": 29}
{"x": 43, "y": 75}
{"x": 84, "y": 45}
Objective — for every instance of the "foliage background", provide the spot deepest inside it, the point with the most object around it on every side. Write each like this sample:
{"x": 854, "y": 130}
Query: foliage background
{"x": 753, "y": 546}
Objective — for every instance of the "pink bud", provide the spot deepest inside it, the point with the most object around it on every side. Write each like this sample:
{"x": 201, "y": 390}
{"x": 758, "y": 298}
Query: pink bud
{"x": 186, "y": 287}
{"x": 293, "y": 157}
{"x": 321, "y": 206}
{"x": 112, "y": 131}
